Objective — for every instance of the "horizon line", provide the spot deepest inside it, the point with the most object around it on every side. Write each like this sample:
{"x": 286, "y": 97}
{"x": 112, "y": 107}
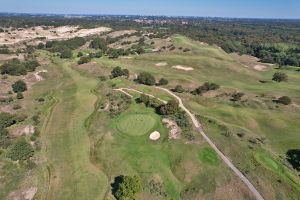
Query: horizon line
{"x": 142, "y": 15}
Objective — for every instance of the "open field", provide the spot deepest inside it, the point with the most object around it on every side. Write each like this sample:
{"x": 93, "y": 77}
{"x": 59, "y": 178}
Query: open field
{"x": 85, "y": 145}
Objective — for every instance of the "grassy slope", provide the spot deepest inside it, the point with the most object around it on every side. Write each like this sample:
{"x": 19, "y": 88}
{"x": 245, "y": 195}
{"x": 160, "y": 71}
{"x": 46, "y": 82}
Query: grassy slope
{"x": 72, "y": 176}
{"x": 257, "y": 118}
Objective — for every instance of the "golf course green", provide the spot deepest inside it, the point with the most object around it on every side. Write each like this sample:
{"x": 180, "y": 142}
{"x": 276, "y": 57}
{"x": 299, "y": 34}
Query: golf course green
{"x": 136, "y": 124}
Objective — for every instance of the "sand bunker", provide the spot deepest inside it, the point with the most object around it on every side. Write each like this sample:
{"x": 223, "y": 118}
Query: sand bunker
{"x": 183, "y": 68}
{"x": 175, "y": 131}
{"x": 161, "y": 64}
{"x": 154, "y": 136}
{"x": 260, "y": 67}
{"x": 37, "y": 75}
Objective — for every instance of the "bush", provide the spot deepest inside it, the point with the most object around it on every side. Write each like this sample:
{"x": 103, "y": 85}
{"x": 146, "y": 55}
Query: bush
{"x": 128, "y": 187}
{"x": 66, "y": 53}
{"x": 79, "y": 54}
{"x": 7, "y": 120}
{"x": 118, "y": 71}
{"x": 19, "y": 86}
{"x": 178, "y": 89}
{"x": 279, "y": 77}
{"x": 285, "y": 100}
{"x": 83, "y": 60}
{"x": 163, "y": 81}
{"x": 16, "y": 68}
{"x": 205, "y": 88}
{"x": 98, "y": 43}
{"x": 20, "y": 150}
{"x": 170, "y": 108}
{"x": 146, "y": 78}
{"x": 237, "y": 96}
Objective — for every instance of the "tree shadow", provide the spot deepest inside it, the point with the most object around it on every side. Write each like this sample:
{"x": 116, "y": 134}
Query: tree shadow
{"x": 116, "y": 184}
{"x": 293, "y": 157}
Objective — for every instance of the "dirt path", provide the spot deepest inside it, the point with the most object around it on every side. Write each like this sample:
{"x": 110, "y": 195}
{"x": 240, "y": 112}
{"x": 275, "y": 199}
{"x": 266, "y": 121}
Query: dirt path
{"x": 67, "y": 146}
{"x": 209, "y": 141}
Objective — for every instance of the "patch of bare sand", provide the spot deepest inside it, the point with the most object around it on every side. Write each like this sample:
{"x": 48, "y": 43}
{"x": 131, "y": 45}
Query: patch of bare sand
{"x": 27, "y": 194}
{"x": 154, "y": 136}
{"x": 180, "y": 67}
{"x": 260, "y": 67}
{"x": 174, "y": 129}
{"x": 36, "y": 34}
{"x": 24, "y": 130}
{"x": 121, "y": 33}
{"x": 161, "y": 64}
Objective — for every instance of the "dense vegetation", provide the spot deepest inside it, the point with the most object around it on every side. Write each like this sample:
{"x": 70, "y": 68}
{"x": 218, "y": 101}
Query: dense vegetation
{"x": 16, "y": 67}
{"x": 273, "y": 41}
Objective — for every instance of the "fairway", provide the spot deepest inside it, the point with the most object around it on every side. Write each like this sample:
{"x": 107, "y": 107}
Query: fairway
{"x": 136, "y": 124}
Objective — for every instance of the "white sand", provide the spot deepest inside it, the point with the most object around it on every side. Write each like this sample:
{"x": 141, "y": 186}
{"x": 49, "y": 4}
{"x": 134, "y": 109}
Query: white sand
{"x": 180, "y": 67}
{"x": 260, "y": 67}
{"x": 154, "y": 136}
{"x": 161, "y": 64}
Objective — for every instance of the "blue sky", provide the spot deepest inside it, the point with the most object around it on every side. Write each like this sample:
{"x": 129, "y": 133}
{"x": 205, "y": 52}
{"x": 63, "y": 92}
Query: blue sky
{"x": 213, "y": 8}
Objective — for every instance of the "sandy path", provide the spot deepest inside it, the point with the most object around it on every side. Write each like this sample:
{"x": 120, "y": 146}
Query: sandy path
{"x": 223, "y": 157}
{"x": 209, "y": 141}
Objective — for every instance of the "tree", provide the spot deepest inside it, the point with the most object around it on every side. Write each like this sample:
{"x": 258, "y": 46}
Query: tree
{"x": 20, "y": 150}
{"x": 116, "y": 72}
{"x": 31, "y": 65}
{"x": 128, "y": 188}
{"x": 178, "y": 89}
{"x": 170, "y": 108}
{"x": 19, "y": 86}
{"x": 285, "y": 100}
{"x": 163, "y": 81}
{"x": 146, "y": 78}
{"x": 279, "y": 77}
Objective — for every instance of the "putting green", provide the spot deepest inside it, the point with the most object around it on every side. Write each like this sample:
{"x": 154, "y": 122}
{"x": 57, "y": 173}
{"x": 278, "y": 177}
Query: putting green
{"x": 136, "y": 124}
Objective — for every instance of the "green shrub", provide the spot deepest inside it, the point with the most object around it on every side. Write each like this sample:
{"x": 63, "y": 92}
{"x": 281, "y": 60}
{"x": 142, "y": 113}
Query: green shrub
{"x": 170, "y": 108}
{"x": 178, "y": 89}
{"x": 118, "y": 71}
{"x": 19, "y": 86}
{"x": 128, "y": 188}
{"x": 285, "y": 100}
{"x": 146, "y": 78}
{"x": 84, "y": 59}
{"x": 7, "y": 120}
{"x": 66, "y": 53}
{"x": 205, "y": 88}
{"x": 163, "y": 81}
{"x": 20, "y": 150}
{"x": 279, "y": 77}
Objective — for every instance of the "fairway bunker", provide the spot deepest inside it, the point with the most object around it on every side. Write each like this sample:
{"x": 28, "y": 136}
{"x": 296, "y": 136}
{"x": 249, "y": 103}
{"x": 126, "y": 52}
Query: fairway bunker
{"x": 154, "y": 136}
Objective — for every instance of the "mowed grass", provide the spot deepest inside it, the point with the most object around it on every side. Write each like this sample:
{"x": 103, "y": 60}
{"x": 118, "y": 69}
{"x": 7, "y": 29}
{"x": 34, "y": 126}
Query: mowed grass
{"x": 208, "y": 156}
{"x": 136, "y": 124}
{"x": 66, "y": 142}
